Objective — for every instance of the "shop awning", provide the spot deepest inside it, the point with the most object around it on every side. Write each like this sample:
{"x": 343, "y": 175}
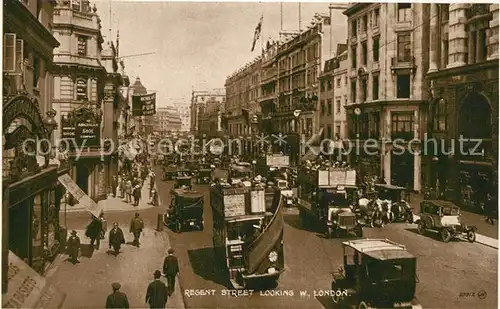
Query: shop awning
{"x": 27, "y": 289}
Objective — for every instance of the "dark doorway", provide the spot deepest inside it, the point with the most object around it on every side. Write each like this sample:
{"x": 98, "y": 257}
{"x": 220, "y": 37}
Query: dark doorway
{"x": 82, "y": 177}
{"x": 402, "y": 169}
{"x": 19, "y": 238}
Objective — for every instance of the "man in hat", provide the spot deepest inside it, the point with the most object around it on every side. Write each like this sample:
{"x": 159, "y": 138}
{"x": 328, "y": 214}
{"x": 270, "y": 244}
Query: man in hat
{"x": 136, "y": 227}
{"x": 116, "y": 238}
{"x": 170, "y": 269}
{"x": 157, "y": 292}
{"x": 93, "y": 232}
{"x": 117, "y": 299}
{"x": 73, "y": 247}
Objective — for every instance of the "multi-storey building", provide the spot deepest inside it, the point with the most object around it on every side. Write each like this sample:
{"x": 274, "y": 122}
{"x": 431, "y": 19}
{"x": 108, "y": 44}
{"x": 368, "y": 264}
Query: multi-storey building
{"x": 387, "y": 93}
{"x": 185, "y": 116}
{"x": 86, "y": 92}
{"x": 30, "y": 190}
{"x": 210, "y": 117}
{"x": 198, "y": 102}
{"x": 299, "y": 62}
{"x": 332, "y": 95}
{"x": 167, "y": 119}
{"x": 242, "y": 92}
{"x": 463, "y": 78}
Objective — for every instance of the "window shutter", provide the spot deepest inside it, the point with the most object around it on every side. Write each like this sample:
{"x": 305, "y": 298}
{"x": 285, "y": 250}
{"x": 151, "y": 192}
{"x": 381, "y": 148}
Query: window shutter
{"x": 19, "y": 56}
{"x": 9, "y": 52}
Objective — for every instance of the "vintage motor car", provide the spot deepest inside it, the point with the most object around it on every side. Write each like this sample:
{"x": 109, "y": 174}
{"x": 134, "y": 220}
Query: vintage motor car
{"x": 183, "y": 181}
{"x": 444, "y": 218}
{"x": 170, "y": 172}
{"x": 204, "y": 175}
{"x": 376, "y": 273}
{"x": 185, "y": 211}
{"x": 341, "y": 219}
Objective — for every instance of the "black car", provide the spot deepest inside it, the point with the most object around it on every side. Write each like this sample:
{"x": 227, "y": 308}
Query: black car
{"x": 185, "y": 211}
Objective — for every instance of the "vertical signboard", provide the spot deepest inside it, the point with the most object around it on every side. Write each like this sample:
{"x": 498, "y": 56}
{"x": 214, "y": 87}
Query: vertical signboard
{"x": 144, "y": 104}
{"x": 79, "y": 195}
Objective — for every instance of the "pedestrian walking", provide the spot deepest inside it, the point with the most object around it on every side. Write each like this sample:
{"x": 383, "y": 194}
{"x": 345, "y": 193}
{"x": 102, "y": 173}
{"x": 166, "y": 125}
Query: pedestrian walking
{"x": 154, "y": 197}
{"x": 170, "y": 270}
{"x": 121, "y": 187}
{"x": 157, "y": 292}
{"x": 117, "y": 299}
{"x": 137, "y": 194}
{"x": 93, "y": 232}
{"x": 128, "y": 189}
{"x": 74, "y": 247}
{"x": 116, "y": 238}
{"x": 152, "y": 178}
{"x": 136, "y": 227}
{"x": 114, "y": 185}
{"x": 104, "y": 225}
{"x": 490, "y": 207}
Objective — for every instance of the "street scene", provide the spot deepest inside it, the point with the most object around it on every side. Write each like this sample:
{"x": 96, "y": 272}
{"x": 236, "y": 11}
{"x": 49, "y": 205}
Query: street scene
{"x": 255, "y": 155}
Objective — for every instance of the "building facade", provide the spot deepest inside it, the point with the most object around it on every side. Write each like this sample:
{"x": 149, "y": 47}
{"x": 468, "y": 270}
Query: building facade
{"x": 185, "y": 115}
{"x": 463, "y": 81}
{"x": 387, "y": 89}
{"x": 86, "y": 95}
{"x": 167, "y": 119}
{"x": 299, "y": 59}
{"x": 333, "y": 95}
{"x": 210, "y": 119}
{"x": 31, "y": 192}
{"x": 197, "y": 106}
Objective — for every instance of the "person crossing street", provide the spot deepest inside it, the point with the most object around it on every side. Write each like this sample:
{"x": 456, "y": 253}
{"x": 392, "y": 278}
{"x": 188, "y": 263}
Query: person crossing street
{"x": 136, "y": 227}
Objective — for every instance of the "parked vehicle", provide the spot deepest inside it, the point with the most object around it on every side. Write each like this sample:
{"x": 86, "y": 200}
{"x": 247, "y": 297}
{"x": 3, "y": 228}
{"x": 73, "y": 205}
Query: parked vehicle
{"x": 444, "y": 218}
{"x": 376, "y": 273}
{"x": 186, "y": 210}
{"x": 204, "y": 175}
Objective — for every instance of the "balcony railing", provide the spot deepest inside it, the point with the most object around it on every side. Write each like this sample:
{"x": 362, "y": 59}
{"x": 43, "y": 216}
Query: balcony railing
{"x": 402, "y": 63}
{"x": 268, "y": 74}
{"x": 267, "y": 97}
{"x": 402, "y": 135}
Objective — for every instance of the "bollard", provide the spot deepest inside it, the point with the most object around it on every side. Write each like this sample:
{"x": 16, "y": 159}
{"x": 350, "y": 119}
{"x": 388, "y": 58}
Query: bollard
{"x": 159, "y": 225}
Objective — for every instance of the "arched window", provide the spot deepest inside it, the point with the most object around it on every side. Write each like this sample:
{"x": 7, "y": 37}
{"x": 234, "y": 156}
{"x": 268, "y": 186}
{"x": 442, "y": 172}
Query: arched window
{"x": 441, "y": 116}
{"x": 475, "y": 117}
{"x": 81, "y": 89}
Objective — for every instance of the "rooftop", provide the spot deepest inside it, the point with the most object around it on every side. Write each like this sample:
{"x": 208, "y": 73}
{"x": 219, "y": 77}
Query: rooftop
{"x": 380, "y": 249}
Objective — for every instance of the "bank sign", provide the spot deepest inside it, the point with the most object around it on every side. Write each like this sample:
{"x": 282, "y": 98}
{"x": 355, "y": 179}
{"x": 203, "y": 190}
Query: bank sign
{"x": 84, "y": 132}
{"x": 144, "y": 104}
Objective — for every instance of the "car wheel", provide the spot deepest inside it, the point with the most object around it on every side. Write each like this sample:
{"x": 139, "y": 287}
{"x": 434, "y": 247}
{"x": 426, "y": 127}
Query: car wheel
{"x": 471, "y": 236}
{"x": 421, "y": 228}
{"x": 178, "y": 226}
{"x": 445, "y": 235}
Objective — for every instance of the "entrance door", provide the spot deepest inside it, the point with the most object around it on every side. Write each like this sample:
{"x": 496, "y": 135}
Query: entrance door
{"x": 402, "y": 169}
{"x": 19, "y": 238}
{"x": 82, "y": 177}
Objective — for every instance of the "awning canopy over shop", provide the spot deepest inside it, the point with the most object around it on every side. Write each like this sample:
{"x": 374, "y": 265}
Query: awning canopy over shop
{"x": 27, "y": 289}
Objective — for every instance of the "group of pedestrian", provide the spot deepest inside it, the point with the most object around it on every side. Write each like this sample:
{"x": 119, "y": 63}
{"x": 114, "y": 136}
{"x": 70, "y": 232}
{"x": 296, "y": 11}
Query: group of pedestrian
{"x": 157, "y": 292}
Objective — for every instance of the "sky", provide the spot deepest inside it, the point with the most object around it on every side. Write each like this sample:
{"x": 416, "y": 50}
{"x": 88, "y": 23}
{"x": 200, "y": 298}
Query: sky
{"x": 197, "y": 45}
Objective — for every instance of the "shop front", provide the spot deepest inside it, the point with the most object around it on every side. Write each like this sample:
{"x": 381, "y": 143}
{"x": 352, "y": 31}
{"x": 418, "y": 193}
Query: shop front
{"x": 34, "y": 232}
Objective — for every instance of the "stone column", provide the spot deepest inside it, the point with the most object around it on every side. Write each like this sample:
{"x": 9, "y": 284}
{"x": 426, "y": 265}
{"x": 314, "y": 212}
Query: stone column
{"x": 457, "y": 35}
{"x": 434, "y": 40}
{"x": 472, "y": 48}
{"x": 493, "y": 35}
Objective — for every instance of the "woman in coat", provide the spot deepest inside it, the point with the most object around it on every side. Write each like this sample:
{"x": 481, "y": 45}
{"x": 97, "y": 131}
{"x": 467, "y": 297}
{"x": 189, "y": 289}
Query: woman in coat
{"x": 116, "y": 238}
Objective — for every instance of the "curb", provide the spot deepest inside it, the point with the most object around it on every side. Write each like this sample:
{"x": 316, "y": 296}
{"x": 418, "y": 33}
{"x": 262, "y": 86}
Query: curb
{"x": 484, "y": 243}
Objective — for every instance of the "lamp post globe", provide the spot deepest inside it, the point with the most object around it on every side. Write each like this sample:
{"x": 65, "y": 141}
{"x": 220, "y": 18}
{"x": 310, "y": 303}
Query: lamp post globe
{"x": 50, "y": 122}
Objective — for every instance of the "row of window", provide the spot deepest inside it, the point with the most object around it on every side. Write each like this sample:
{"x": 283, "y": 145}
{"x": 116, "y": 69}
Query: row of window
{"x": 330, "y": 134}
{"x": 299, "y": 58}
{"x": 403, "y": 88}
{"x": 361, "y": 25}
{"x": 367, "y": 125}
{"x": 327, "y": 108}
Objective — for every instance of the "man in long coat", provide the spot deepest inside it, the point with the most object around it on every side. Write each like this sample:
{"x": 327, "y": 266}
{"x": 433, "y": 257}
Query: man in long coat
{"x": 117, "y": 299}
{"x": 170, "y": 269}
{"x": 136, "y": 227}
{"x": 93, "y": 232}
{"x": 116, "y": 238}
{"x": 157, "y": 292}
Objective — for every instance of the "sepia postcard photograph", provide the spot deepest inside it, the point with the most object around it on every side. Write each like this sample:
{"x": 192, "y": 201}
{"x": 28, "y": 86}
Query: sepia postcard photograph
{"x": 264, "y": 155}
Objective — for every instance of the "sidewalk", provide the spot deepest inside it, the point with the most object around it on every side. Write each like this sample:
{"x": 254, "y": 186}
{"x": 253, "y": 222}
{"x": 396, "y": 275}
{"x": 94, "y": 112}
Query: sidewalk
{"x": 112, "y": 204}
{"x": 469, "y": 218}
{"x": 88, "y": 283}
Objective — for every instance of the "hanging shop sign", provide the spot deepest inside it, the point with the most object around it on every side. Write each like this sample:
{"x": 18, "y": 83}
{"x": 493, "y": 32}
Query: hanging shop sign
{"x": 88, "y": 132}
{"x": 144, "y": 104}
{"x": 80, "y": 196}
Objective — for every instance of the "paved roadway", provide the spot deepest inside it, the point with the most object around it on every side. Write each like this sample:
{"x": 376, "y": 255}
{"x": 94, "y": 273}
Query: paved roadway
{"x": 446, "y": 271}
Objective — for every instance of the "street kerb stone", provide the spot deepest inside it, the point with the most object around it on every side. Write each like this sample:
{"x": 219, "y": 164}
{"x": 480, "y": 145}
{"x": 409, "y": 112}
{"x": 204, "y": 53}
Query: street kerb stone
{"x": 115, "y": 204}
{"x": 88, "y": 283}
{"x": 487, "y": 241}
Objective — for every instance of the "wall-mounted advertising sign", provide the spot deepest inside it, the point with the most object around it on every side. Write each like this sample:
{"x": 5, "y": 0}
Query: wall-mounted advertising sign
{"x": 144, "y": 104}
{"x": 87, "y": 132}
